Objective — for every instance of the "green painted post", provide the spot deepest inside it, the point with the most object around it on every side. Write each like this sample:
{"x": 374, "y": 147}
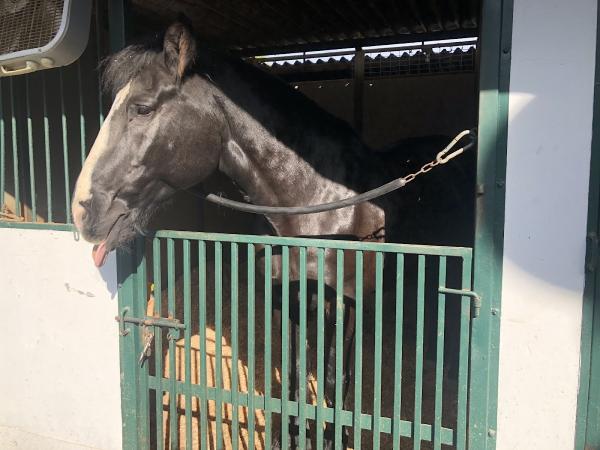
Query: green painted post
{"x": 268, "y": 314}
{"x": 285, "y": 338}
{"x": 418, "y": 403}
{"x": 378, "y": 350}
{"x": 235, "y": 426}
{"x": 398, "y": 350}
{"x": 588, "y": 403}
{"x": 320, "y": 422}
{"x": 158, "y": 340}
{"x": 439, "y": 363}
{"x": 47, "y": 148}
{"x": 339, "y": 348}
{"x": 202, "y": 298}
{"x": 495, "y": 50}
{"x": 126, "y": 278}
{"x": 358, "y": 350}
{"x": 139, "y": 310}
{"x": 251, "y": 350}
{"x": 65, "y": 145}
{"x": 15, "y": 148}
{"x": 172, "y": 338}
{"x": 219, "y": 343}
{"x": 187, "y": 315}
{"x": 2, "y": 149}
{"x": 30, "y": 153}
{"x": 302, "y": 347}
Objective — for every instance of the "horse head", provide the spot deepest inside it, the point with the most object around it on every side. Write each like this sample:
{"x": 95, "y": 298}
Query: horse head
{"x": 160, "y": 135}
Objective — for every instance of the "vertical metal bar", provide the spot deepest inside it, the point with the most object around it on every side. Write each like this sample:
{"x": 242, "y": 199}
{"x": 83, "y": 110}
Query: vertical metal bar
{"x": 139, "y": 310}
{"x": 219, "y": 344}
{"x": 358, "y": 351}
{"x": 320, "y": 346}
{"x": 65, "y": 143}
{"x": 268, "y": 325}
{"x": 339, "y": 348}
{"x": 30, "y": 148}
{"x": 463, "y": 357}
{"x": 251, "y": 350}
{"x": 285, "y": 341}
{"x": 99, "y": 56}
{"x": 81, "y": 113}
{"x": 187, "y": 313}
{"x": 128, "y": 346}
{"x": 378, "y": 349}
{"x": 203, "y": 403}
{"x": 439, "y": 363}
{"x": 15, "y": 148}
{"x": 399, "y": 325}
{"x": 235, "y": 424}
{"x": 173, "y": 422}
{"x": 158, "y": 348}
{"x": 47, "y": 148}
{"x": 302, "y": 345}
{"x": 2, "y": 149}
{"x": 419, "y": 353}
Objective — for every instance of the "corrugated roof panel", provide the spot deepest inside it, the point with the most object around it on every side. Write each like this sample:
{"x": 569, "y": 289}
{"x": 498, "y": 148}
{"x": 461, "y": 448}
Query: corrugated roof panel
{"x": 255, "y": 26}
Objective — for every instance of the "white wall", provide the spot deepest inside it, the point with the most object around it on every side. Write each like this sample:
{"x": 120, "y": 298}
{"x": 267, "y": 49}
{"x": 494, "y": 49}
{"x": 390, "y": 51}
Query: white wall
{"x": 59, "y": 357}
{"x": 549, "y": 139}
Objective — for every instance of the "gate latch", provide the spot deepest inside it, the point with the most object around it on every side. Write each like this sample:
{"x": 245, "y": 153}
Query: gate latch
{"x": 147, "y": 322}
{"x": 475, "y": 298}
{"x": 163, "y": 322}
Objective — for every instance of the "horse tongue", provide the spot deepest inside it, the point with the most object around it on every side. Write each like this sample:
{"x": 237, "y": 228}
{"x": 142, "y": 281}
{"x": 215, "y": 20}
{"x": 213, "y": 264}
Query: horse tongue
{"x": 99, "y": 254}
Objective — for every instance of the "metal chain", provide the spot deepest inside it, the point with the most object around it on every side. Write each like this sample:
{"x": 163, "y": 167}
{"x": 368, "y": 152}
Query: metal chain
{"x": 440, "y": 158}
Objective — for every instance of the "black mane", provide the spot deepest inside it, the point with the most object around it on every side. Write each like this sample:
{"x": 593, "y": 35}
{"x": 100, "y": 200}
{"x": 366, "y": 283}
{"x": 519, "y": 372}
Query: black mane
{"x": 121, "y": 67}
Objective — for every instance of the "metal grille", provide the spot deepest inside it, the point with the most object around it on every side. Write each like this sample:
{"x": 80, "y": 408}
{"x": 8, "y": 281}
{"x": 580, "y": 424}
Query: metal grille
{"x": 381, "y": 62}
{"x": 28, "y": 24}
{"x": 419, "y": 62}
{"x": 228, "y": 328}
{"x": 48, "y": 120}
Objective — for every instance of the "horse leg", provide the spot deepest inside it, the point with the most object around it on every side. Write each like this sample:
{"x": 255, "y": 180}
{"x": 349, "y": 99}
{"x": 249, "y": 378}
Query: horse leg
{"x": 349, "y": 329}
{"x": 349, "y": 335}
{"x": 276, "y": 424}
{"x": 294, "y": 369}
{"x": 296, "y": 347}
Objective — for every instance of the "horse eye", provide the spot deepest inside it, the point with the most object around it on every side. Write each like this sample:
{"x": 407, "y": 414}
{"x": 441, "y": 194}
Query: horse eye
{"x": 143, "y": 110}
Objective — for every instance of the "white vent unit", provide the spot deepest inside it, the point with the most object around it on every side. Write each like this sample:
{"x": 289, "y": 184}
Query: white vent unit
{"x": 41, "y": 34}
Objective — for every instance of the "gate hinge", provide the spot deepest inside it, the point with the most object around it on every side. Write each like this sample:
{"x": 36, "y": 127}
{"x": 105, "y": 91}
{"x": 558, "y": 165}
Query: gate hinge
{"x": 591, "y": 254}
{"x": 475, "y": 298}
{"x": 147, "y": 322}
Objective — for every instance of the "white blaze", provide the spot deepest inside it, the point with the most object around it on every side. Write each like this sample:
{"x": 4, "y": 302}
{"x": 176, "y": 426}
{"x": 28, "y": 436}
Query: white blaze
{"x": 83, "y": 187}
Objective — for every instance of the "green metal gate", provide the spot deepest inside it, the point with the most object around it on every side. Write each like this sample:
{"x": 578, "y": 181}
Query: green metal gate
{"x": 396, "y": 397}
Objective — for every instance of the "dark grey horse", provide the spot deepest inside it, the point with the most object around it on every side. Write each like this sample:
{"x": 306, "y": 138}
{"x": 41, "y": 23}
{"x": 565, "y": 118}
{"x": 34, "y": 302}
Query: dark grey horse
{"x": 182, "y": 112}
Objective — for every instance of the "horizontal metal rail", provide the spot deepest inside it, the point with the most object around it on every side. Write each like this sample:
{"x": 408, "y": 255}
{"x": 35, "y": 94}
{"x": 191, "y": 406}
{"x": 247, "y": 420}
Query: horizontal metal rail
{"x": 274, "y": 405}
{"x": 316, "y": 242}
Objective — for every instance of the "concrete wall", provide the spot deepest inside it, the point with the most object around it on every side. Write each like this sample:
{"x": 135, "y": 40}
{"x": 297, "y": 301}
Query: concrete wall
{"x": 60, "y": 357}
{"x": 549, "y": 141}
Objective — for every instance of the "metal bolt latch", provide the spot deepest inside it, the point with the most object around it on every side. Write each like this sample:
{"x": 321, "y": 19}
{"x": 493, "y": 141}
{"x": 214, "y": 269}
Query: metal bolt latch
{"x": 475, "y": 298}
{"x": 146, "y": 321}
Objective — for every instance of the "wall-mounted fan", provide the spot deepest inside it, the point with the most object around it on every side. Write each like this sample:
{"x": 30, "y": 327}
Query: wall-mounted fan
{"x": 41, "y": 34}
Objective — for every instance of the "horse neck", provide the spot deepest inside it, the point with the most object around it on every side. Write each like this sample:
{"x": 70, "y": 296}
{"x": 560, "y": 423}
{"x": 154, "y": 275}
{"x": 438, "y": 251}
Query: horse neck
{"x": 289, "y": 162}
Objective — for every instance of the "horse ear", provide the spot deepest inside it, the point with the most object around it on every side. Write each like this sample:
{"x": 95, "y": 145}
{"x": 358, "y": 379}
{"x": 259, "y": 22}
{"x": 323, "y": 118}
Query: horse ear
{"x": 179, "y": 48}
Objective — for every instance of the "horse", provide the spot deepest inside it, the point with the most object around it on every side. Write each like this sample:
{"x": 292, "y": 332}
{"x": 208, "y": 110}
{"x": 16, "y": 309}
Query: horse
{"x": 183, "y": 111}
